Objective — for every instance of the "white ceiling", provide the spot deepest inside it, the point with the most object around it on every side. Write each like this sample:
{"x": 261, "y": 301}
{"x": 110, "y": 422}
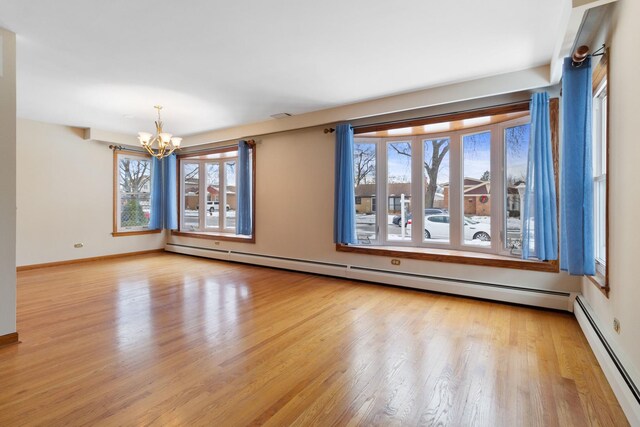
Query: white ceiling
{"x": 216, "y": 64}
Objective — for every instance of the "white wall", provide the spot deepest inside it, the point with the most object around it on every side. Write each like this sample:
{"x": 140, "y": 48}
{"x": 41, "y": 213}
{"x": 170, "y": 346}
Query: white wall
{"x": 7, "y": 182}
{"x": 65, "y": 194}
{"x": 624, "y": 151}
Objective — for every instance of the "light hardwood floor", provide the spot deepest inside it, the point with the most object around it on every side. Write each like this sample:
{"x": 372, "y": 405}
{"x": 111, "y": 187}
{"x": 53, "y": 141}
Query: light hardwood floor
{"x": 174, "y": 340}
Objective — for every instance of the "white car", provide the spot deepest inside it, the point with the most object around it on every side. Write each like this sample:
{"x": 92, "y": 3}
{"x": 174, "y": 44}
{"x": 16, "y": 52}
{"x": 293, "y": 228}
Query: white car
{"x": 213, "y": 206}
{"x": 437, "y": 227}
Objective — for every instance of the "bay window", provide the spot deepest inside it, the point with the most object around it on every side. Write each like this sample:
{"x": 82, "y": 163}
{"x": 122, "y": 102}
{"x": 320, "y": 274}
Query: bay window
{"x": 454, "y": 184}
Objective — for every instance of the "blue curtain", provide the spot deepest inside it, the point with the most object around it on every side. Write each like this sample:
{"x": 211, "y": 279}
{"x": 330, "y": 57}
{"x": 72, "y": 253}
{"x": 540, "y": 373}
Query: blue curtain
{"x": 576, "y": 208}
{"x": 344, "y": 219}
{"x": 155, "y": 219}
{"x": 540, "y": 221}
{"x": 169, "y": 178}
{"x": 164, "y": 199}
{"x": 243, "y": 212}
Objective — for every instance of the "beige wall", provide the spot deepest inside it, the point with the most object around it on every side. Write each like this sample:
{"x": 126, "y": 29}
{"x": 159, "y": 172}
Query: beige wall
{"x": 65, "y": 196}
{"x": 624, "y": 152}
{"x": 7, "y": 182}
{"x": 301, "y": 163}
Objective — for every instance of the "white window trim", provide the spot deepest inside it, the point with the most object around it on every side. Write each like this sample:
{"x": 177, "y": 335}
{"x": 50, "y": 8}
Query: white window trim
{"x": 222, "y": 227}
{"x": 497, "y": 190}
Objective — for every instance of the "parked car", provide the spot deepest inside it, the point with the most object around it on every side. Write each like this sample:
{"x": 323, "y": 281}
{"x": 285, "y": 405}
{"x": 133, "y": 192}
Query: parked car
{"x": 429, "y": 211}
{"x": 213, "y": 206}
{"x": 437, "y": 227}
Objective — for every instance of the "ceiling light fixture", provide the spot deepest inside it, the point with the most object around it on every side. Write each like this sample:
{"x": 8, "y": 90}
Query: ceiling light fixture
{"x": 167, "y": 143}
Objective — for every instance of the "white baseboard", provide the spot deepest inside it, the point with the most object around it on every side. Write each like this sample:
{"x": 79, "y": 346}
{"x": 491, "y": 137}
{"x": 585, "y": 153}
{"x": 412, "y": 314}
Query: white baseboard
{"x": 491, "y": 291}
{"x": 617, "y": 374}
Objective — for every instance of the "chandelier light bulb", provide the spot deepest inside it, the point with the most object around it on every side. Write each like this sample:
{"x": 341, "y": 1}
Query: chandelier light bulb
{"x": 165, "y": 137}
{"x": 144, "y": 137}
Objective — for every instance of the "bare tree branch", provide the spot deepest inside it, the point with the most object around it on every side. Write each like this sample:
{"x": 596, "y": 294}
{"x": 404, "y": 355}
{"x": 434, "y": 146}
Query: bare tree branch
{"x": 440, "y": 148}
{"x": 364, "y": 157}
{"x": 134, "y": 174}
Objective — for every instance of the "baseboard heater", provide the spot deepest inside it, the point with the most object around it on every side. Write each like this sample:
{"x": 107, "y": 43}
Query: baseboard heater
{"x": 621, "y": 381}
{"x": 485, "y": 290}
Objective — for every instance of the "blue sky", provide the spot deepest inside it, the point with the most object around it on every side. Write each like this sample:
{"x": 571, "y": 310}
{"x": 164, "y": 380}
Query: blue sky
{"x": 516, "y": 156}
{"x": 476, "y": 153}
{"x": 443, "y": 173}
{"x": 399, "y": 165}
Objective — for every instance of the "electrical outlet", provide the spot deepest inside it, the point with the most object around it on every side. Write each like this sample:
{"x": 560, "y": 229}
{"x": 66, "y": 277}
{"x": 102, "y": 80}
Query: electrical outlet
{"x": 616, "y": 325}
{"x": 78, "y": 245}
{"x": 395, "y": 262}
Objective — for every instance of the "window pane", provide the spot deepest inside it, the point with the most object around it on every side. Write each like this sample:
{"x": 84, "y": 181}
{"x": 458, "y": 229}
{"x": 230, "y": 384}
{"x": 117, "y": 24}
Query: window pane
{"x": 600, "y": 177}
{"x": 230, "y": 195}
{"x": 135, "y": 192}
{"x": 364, "y": 175}
{"x": 191, "y": 195}
{"x": 436, "y": 194}
{"x": 212, "y": 214}
{"x": 600, "y": 219}
{"x": 603, "y": 133}
{"x": 476, "y": 165}
{"x": 516, "y": 146}
{"x": 399, "y": 191}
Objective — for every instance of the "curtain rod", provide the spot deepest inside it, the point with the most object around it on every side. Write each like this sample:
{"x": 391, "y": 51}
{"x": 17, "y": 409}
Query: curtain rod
{"x": 219, "y": 147}
{"x": 123, "y": 148}
{"x": 394, "y": 122}
{"x": 250, "y": 142}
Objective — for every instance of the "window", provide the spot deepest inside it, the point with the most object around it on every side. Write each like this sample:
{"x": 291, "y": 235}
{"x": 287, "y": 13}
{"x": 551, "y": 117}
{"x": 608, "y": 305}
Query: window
{"x": 208, "y": 184}
{"x": 455, "y": 184}
{"x": 516, "y": 149}
{"x": 364, "y": 164}
{"x": 600, "y": 173}
{"x": 132, "y": 204}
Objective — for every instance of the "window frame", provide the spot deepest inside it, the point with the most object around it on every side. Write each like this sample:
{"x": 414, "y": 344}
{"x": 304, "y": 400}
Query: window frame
{"x": 220, "y": 232}
{"x": 460, "y": 254}
{"x": 118, "y": 231}
{"x": 601, "y": 82}
{"x": 456, "y": 173}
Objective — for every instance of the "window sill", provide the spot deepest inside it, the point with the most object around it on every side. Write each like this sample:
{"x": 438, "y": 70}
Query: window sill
{"x": 215, "y": 236}
{"x": 134, "y": 233}
{"x": 601, "y": 283}
{"x": 456, "y": 257}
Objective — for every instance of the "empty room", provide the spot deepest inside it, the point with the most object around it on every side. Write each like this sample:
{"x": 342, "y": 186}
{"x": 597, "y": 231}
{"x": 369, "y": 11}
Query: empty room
{"x": 297, "y": 213}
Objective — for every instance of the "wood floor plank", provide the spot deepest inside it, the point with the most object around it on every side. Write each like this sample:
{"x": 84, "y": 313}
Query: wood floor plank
{"x": 165, "y": 339}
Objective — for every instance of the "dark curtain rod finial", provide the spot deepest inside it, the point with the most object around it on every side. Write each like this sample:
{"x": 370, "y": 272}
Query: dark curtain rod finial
{"x": 329, "y": 130}
{"x": 116, "y": 147}
{"x": 582, "y": 53}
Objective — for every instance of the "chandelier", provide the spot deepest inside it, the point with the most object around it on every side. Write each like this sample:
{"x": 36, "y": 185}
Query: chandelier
{"x": 167, "y": 143}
